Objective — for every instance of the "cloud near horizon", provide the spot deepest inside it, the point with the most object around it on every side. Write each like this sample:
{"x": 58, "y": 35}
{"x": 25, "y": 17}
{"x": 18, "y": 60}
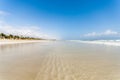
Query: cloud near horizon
{"x": 103, "y": 35}
{"x": 31, "y": 31}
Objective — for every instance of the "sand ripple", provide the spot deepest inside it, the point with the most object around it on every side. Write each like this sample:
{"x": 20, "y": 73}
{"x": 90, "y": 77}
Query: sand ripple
{"x": 57, "y": 62}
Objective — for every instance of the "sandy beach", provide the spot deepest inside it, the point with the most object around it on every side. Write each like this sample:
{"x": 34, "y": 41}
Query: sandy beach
{"x": 7, "y": 41}
{"x": 59, "y": 61}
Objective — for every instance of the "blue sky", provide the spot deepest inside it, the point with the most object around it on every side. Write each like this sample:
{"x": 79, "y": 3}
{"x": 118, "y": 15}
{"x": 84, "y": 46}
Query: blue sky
{"x": 62, "y": 19}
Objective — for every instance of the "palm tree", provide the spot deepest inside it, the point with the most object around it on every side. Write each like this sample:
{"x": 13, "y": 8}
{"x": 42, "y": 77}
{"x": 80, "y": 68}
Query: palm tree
{"x": 10, "y": 36}
{"x": 2, "y": 35}
{"x": 16, "y": 37}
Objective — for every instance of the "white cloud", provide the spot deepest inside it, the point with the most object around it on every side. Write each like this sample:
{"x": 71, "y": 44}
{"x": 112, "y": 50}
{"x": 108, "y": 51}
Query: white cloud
{"x": 31, "y": 31}
{"x": 3, "y": 13}
{"x": 105, "y": 33}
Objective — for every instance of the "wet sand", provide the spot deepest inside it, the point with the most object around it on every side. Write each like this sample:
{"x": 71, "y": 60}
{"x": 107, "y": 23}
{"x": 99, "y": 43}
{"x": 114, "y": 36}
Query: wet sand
{"x": 59, "y": 61}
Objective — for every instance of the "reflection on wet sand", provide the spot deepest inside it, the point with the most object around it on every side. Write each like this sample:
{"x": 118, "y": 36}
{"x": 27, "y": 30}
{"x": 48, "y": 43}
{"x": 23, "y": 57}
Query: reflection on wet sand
{"x": 59, "y": 61}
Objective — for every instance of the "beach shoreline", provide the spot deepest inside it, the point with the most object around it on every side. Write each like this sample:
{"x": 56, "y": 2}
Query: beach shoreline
{"x": 7, "y": 41}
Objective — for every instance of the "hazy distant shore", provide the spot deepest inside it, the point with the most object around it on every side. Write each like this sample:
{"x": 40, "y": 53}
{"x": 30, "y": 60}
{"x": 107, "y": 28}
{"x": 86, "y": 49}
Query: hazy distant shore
{"x": 103, "y": 42}
{"x": 8, "y": 41}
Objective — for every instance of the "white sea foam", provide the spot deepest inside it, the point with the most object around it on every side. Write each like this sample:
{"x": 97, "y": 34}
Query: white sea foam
{"x": 103, "y": 42}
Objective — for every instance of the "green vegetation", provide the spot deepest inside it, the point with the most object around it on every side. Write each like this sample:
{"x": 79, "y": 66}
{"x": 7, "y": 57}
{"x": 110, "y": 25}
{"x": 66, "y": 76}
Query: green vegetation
{"x": 16, "y": 37}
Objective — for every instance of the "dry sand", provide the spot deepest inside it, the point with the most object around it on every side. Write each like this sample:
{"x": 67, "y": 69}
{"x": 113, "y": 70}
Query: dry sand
{"x": 59, "y": 61}
{"x": 7, "y": 41}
